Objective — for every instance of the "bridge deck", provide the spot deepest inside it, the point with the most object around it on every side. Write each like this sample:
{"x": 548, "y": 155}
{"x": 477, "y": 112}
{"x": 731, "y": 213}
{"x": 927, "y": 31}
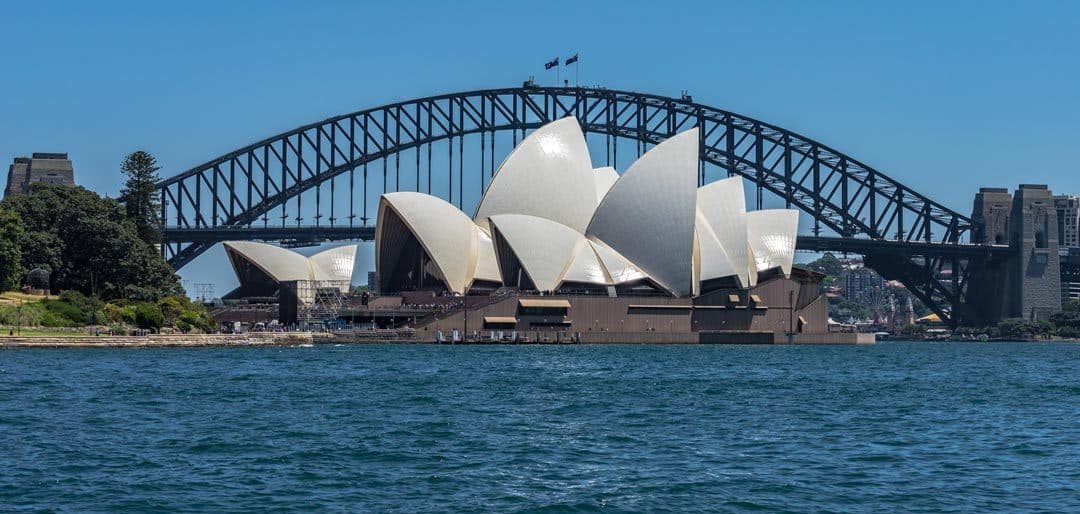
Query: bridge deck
{"x": 318, "y": 234}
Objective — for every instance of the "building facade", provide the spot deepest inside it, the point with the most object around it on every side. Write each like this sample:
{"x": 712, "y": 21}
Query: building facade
{"x": 49, "y": 168}
{"x": 1070, "y": 275}
{"x": 863, "y": 284}
{"x": 1068, "y": 218}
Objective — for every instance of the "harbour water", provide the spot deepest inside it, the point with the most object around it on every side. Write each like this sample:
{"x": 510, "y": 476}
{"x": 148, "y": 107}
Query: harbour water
{"x": 894, "y": 426}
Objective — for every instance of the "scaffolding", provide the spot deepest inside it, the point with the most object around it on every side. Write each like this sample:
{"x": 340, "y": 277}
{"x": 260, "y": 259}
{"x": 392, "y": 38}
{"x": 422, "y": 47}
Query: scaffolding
{"x": 319, "y": 301}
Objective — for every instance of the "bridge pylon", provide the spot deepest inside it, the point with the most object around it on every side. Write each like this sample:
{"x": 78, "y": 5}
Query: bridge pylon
{"x": 1027, "y": 283}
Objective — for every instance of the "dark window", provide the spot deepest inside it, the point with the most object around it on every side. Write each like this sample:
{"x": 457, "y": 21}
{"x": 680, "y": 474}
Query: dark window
{"x": 549, "y": 324}
{"x": 542, "y": 311}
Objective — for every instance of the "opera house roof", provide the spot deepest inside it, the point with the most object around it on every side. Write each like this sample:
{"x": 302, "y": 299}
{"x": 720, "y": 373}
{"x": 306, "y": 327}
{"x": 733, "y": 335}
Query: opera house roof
{"x": 261, "y": 267}
{"x": 550, "y": 222}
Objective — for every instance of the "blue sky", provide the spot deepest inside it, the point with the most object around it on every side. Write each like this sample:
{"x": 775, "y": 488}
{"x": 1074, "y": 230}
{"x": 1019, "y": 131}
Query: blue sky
{"x": 946, "y": 98}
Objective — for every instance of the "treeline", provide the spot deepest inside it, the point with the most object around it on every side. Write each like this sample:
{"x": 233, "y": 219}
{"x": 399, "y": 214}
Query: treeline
{"x": 97, "y": 246}
{"x": 101, "y": 250}
{"x": 1064, "y": 324}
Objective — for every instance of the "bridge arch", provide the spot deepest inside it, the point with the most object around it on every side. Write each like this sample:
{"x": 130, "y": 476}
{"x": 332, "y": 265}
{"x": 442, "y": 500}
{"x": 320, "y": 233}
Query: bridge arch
{"x": 841, "y": 193}
{"x": 236, "y": 191}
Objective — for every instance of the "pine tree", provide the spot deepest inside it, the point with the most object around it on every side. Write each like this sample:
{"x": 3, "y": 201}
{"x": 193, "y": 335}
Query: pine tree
{"x": 138, "y": 194}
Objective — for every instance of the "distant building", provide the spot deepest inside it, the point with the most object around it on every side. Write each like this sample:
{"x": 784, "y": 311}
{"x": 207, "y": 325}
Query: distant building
{"x": 372, "y": 281}
{"x": 864, "y": 285}
{"x": 50, "y": 168}
{"x": 1070, "y": 274}
{"x": 1068, "y": 211}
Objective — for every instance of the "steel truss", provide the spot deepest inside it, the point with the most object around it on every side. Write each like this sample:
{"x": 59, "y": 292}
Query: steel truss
{"x": 239, "y": 190}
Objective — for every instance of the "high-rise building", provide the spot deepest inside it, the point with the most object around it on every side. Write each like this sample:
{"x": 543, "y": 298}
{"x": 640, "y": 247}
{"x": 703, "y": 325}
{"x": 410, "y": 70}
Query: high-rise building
{"x": 1068, "y": 218}
{"x": 864, "y": 285}
{"x": 50, "y": 168}
{"x": 1070, "y": 274}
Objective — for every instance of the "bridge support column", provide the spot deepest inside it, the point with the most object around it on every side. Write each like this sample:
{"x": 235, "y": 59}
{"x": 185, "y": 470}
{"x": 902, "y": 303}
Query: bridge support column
{"x": 1028, "y": 284}
{"x": 1034, "y": 277}
{"x": 988, "y": 298}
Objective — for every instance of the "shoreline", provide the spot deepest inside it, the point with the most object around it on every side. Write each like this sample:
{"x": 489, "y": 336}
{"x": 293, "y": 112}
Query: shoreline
{"x": 162, "y": 341}
{"x": 281, "y": 339}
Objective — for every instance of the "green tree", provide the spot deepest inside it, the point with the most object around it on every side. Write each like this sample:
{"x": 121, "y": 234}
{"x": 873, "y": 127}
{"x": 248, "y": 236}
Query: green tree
{"x": 1068, "y": 320}
{"x": 11, "y": 234}
{"x": 1019, "y": 328}
{"x": 828, "y": 265}
{"x": 138, "y": 195}
{"x": 89, "y": 245}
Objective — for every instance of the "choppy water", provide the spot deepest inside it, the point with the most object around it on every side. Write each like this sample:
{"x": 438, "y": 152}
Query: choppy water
{"x": 896, "y": 426}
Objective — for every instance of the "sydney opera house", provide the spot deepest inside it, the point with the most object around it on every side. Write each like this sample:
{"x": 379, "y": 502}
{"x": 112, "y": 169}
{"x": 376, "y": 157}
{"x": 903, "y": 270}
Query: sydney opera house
{"x": 558, "y": 249}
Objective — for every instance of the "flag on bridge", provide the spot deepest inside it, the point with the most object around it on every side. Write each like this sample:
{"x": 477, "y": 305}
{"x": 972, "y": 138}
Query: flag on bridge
{"x": 551, "y": 64}
{"x": 572, "y": 59}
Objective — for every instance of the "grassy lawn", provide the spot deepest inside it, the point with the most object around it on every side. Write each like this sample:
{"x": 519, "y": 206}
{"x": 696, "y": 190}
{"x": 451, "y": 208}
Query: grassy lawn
{"x": 42, "y": 332}
{"x": 15, "y": 297}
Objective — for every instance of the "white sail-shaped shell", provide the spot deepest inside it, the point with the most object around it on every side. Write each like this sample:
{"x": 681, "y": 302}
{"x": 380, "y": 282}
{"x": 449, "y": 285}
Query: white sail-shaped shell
{"x": 334, "y": 265}
{"x": 278, "y": 263}
{"x": 548, "y": 175}
{"x": 648, "y": 215}
{"x": 543, "y": 247}
{"x": 586, "y": 267}
{"x": 487, "y": 267}
{"x": 605, "y": 178}
{"x": 772, "y": 234}
{"x": 713, "y": 259}
{"x": 619, "y": 269}
{"x": 447, "y": 235}
{"x": 723, "y": 204}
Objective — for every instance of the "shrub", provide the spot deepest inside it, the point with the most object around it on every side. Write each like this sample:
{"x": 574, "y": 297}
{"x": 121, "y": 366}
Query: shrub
{"x": 112, "y": 313}
{"x": 148, "y": 316}
{"x": 60, "y": 313}
{"x": 1019, "y": 328}
{"x": 171, "y": 308}
{"x": 127, "y": 314}
{"x": 1069, "y": 332}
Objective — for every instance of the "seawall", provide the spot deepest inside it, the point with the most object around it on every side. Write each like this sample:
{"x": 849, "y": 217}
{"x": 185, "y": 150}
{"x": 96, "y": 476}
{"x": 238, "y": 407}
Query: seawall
{"x": 256, "y": 339}
{"x": 160, "y": 341}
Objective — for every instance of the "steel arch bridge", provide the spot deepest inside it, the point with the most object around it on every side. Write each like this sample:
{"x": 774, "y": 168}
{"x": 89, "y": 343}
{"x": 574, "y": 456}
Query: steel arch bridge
{"x": 904, "y": 234}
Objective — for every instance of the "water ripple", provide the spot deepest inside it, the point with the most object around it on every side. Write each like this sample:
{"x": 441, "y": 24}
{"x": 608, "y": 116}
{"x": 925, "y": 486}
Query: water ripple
{"x": 896, "y": 426}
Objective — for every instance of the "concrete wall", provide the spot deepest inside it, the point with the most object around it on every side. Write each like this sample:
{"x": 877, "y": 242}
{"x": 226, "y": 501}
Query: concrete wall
{"x": 160, "y": 340}
{"x": 16, "y": 178}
